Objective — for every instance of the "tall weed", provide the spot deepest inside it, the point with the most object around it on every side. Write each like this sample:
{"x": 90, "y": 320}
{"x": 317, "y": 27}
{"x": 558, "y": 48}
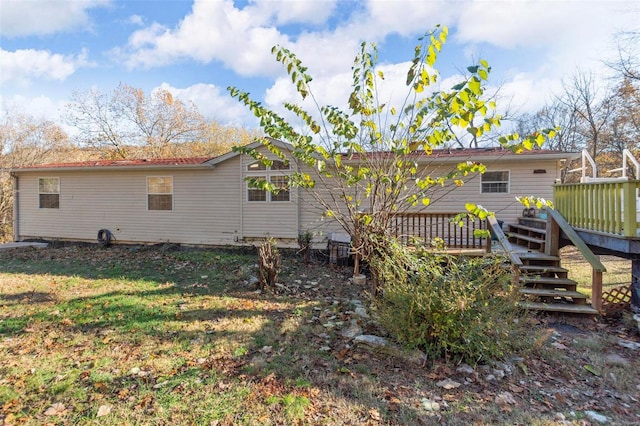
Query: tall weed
{"x": 462, "y": 308}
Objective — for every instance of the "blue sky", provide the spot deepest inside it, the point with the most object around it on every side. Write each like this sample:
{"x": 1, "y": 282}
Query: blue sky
{"x": 195, "y": 49}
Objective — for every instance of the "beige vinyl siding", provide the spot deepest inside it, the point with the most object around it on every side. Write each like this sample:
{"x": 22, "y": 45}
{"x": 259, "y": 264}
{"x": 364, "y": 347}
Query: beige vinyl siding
{"x": 260, "y": 219}
{"x": 204, "y": 211}
{"x": 522, "y": 181}
{"x": 211, "y": 207}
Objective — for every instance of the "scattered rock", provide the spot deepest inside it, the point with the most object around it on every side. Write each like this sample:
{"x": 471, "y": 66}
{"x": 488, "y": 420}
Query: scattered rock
{"x": 616, "y": 360}
{"x": 361, "y": 312}
{"x": 371, "y": 341}
{"x": 558, "y": 345}
{"x": 448, "y": 384}
{"x": 266, "y": 349}
{"x": 352, "y": 331}
{"x": 104, "y": 410}
{"x": 499, "y": 374}
{"x": 628, "y": 344}
{"x": 253, "y": 282}
{"x": 465, "y": 368}
{"x": 324, "y": 349}
{"x": 596, "y": 417}
{"x": 505, "y": 398}
{"x": 160, "y": 385}
{"x": 55, "y": 410}
{"x": 430, "y": 405}
{"x": 377, "y": 344}
{"x": 134, "y": 371}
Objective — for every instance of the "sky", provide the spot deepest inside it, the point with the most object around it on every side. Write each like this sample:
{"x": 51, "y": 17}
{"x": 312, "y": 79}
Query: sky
{"x": 196, "y": 49}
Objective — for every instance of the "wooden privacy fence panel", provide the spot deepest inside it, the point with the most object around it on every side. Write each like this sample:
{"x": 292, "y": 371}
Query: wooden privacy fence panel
{"x": 428, "y": 226}
{"x": 608, "y": 207}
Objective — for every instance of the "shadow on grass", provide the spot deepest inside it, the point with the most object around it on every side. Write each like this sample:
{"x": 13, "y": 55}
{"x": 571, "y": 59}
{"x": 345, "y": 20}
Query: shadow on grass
{"x": 27, "y": 297}
{"x": 290, "y": 328}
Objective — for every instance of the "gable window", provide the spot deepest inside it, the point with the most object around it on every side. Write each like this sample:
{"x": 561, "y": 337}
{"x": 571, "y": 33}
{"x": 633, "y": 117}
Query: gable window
{"x": 274, "y": 175}
{"x": 495, "y": 182}
{"x": 160, "y": 193}
{"x": 279, "y": 165}
{"x": 49, "y": 193}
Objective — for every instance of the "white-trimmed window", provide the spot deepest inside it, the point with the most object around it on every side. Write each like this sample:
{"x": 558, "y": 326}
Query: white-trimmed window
{"x": 160, "y": 193}
{"x": 49, "y": 193}
{"x": 495, "y": 182}
{"x": 282, "y": 183}
{"x": 274, "y": 174}
{"x": 256, "y": 194}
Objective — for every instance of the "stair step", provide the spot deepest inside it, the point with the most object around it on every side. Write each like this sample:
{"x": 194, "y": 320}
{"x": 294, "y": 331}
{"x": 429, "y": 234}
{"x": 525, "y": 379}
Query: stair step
{"x": 536, "y": 220}
{"x": 543, "y": 292}
{"x": 542, "y": 269}
{"x": 538, "y": 256}
{"x": 542, "y": 280}
{"x": 548, "y": 282}
{"x": 527, "y": 228}
{"x": 560, "y": 307}
{"x": 525, "y": 238}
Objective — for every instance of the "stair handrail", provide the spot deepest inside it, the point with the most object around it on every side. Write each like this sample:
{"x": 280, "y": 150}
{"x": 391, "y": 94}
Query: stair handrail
{"x": 586, "y": 157}
{"x": 627, "y": 155}
{"x": 576, "y": 240}
{"x": 597, "y": 267}
{"x": 496, "y": 229}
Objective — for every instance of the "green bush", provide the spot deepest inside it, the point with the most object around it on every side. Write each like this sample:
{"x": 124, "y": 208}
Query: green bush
{"x": 462, "y": 308}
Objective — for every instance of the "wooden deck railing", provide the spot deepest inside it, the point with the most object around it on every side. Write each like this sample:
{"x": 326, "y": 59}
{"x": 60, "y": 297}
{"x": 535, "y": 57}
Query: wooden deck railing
{"x": 428, "y": 226}
{"x": 608, "y": 207}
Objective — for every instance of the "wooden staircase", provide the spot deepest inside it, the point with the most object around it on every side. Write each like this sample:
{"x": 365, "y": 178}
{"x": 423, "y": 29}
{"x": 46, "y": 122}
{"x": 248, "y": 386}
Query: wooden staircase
{"x": 544, "y": 282}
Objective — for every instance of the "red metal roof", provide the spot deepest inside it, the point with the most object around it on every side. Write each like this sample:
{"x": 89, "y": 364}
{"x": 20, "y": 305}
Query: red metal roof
{"x": 468, "y": 153}
{"x": 456, "y": 154}
{"x": 123, "y": 163}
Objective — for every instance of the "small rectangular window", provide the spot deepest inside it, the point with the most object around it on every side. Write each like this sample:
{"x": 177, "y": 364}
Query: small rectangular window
{"x": 49, "y": 193}
{"x": 495, "y": 182}
{"x": 256, "y": 166}
{"x": 160, "y": 193}
{"x": 282, "y": 183}
{"x": 256, "y": 194}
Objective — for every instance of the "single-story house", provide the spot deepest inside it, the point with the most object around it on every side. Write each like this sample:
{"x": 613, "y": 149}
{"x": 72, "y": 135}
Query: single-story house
{"x": 207, "y": 201}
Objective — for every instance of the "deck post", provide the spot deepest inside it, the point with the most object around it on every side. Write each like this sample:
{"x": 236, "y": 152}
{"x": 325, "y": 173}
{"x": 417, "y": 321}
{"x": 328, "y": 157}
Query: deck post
{"x": 596, "y": 289}
{"x": 629, "y": 209}
{"x": 635, "y": 284}
{"x": 552, "y": 243}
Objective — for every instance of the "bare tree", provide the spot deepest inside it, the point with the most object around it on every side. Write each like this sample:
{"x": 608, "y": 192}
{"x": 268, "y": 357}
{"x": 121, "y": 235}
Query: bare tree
{"x": 628, "y": 62}
{"x": 129, "y": 117}
{"x": 591, "y": 107}
{"x": 24, "y": 140}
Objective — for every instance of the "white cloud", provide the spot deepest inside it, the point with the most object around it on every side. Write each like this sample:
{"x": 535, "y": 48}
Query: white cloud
{"x": 213, "y": 103}
{"x": 571, "y": 27}
{"x": 135, "y": 20}
{"x": 558, "y": 37}
{"x": 25, "y": 65}
{"x": 406, "y": 18}
{"x": 285, "y": 12}
{"x": 38, "y": 107}
{"x": 38, "y": 17}
{"x": 213, "y": 30}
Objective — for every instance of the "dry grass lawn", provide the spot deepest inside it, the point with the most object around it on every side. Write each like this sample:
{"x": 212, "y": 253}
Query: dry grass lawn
{"x": 148, "y": 336}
